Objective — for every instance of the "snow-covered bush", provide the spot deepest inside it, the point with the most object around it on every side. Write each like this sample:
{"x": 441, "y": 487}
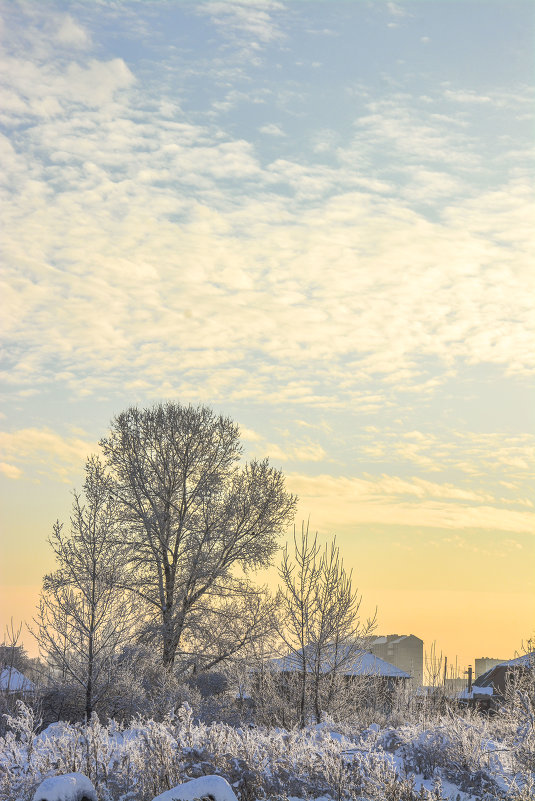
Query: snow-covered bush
{"x": 416, "y": 761}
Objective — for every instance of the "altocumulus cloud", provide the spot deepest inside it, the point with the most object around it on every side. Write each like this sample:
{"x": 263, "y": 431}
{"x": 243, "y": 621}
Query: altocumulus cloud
{"x": 128, "y": 214}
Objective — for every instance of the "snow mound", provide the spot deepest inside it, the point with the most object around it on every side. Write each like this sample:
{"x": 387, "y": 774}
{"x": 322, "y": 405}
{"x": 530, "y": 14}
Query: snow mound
{"x": 69, "y": 787}
{"x": 213, "y": 787}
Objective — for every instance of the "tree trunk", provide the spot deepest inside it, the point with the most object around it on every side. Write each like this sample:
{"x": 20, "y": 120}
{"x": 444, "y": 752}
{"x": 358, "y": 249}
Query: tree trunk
{"x": 302, "y": 704}
{"x": 171, "y": 637}
{"x": 317, "y": 707}
{"x": 89, "y": 685}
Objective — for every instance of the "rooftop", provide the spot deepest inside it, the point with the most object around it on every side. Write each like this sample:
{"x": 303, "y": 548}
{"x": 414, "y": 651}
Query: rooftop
{"x": 360, "y": 664}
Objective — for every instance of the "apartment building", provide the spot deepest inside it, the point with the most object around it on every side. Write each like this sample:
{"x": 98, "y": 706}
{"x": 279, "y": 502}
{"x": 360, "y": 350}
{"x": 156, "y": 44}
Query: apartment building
{"x": 485, "y": 663}
{"x": 405, "y": 651}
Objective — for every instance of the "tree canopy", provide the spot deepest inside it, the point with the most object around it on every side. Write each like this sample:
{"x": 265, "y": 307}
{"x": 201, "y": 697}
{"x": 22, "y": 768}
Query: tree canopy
{"x": 190, "y": 515}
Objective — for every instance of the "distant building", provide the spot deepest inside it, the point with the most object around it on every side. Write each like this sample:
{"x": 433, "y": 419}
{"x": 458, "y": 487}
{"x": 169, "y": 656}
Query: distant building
{"x": 485, "y": 663}
{"x": 405, "y": 651}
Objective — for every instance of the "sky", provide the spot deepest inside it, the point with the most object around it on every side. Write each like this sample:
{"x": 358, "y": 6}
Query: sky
{"x": 314, "y": 217}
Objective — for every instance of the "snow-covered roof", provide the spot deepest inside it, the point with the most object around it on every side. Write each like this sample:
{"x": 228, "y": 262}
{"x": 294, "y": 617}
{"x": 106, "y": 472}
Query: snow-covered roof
{"x": 526, "y": 660}
{"x": 371, "y": 665}
{"x": 361, "y": 663}
{"x": 13, "y": 681}
{"x": 475, "y": 691}
{"x": 497, "y": 676}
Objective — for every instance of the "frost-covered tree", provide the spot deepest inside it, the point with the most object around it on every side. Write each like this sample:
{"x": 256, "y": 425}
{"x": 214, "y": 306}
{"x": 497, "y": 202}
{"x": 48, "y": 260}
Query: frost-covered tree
{"x": 190, "y": 516}
{"x": 320, "y": 622}
{"x": 84, "y": 617}
{"x": 224, "y": 627}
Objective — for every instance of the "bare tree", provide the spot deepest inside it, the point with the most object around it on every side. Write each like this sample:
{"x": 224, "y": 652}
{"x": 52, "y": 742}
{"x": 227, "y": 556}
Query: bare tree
{"x": 320, "y": 621}
{"x": 12, "y": 654}
{"x": 190, "y": 514}
{"x": 298, "y": 602}
{"x": 83, "y": 616}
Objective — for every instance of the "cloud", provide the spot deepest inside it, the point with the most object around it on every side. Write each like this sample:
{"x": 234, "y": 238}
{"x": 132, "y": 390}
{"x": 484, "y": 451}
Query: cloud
{"x": 396, "y": 10}
{"x": 249, "y": 435}
{"x": 463, "y": 96}
{"x": 72, "y": 34}
{"x": 492, "y": 456}
{"x": 272, "y": 130}
{"x": 303, "y": 452}
{"x": 140, "y": 237}
{"x": 31, "y": 91}
{"x": 254, "y": 18}
{"x": 44, "y": 449}
{"x": 247, "y": 281}
{"x": 334, "y": 501}
{"x": 288, "y": 449}
{"x": 10, "y": 470}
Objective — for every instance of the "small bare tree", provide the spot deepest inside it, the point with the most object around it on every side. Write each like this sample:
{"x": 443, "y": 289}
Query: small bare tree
{"x": 320, "y": 621}
{"x": 83, "y": 616}
{"x": 298, "y": 603}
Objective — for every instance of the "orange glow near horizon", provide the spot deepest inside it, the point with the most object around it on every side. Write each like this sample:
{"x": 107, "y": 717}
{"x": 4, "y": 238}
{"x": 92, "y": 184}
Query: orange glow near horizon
{"x": 464, "y": 623}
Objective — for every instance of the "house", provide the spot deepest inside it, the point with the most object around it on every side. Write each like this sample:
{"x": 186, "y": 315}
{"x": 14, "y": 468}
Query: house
{"x": 405, "y": 651}
{"x": 361, "y": 678}
{"x": 334, "y": 679}
{"x": 12, "y": 681}
{"x": 498, "y": 676}
{"x": 489, "y": 690}
{"x": 362, "y": 663}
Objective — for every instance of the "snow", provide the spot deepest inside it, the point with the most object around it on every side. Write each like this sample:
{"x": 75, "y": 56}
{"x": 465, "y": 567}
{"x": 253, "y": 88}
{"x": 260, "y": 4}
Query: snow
{"x": 69, "y": 787}
{"x": 371, "y": 665}
{"x": 475, "y": 691}
{"x": 526, "y": 660}
{"x": 214, "y": 786}
{"x": 57, "y": 729}
{"x": 362, "y": 664}
{"x": 467, "y": 754}
{"x": 394, "y": 641}
{"x": 13, "y": 681}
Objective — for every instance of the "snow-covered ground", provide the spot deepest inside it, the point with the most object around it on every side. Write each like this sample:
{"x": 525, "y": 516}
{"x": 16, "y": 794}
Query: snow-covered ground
{"x": 462, "y": 757}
